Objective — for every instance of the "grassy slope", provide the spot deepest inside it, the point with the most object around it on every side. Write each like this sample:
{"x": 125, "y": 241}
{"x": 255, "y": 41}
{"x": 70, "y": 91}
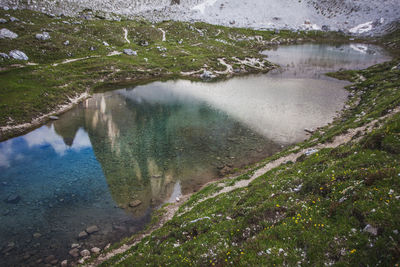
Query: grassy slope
{"x": 31, "y": 91}
{"x": 343, "y": 190}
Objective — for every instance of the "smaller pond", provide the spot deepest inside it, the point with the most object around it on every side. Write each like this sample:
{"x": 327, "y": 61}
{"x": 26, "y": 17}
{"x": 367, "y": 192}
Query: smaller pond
{"x": 116, "y": 157}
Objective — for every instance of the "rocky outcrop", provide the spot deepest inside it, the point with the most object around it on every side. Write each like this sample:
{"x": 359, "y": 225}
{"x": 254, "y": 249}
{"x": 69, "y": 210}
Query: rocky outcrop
{"x": 307, "y": 14}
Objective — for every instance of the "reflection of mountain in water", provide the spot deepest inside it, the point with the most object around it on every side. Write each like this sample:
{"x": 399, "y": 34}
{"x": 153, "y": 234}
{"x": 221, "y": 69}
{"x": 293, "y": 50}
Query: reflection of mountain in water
{"x": 145, "y": 147}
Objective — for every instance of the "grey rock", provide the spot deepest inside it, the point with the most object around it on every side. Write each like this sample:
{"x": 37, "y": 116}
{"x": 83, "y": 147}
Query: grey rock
{"x": 14, "y": 199}
{"x": 4, "y": 55}
{"x": 75, "y": 245}
{"x": 105, "y": 43}
{"x": 18, "y": 55}
{"x": 95, "y": 250}
{"x": 64, "y": 263}
{"x": 82, "y": 235}
{"x": 53, "y": 117}
{"x": 85, "y": 253}
{"x": 325, "y": 28}
{"x": 66, "y": 43}
{"x": 3, "y": 20}
{"x": 44, "y": 36}
{"x": 135, "y": 203}
{"x": 144, "y": 43}
{"x": 92, "y": 229}
{"x": 6, "y": 33}
{"x": 13, "y": 19}
{"x": 92, "y": 48}
{"x": 370, "y": 229}
{"x": 74, "y": 252}
{"x": 130, "y": 52}
{"x": 206, "y": 75}
{"x": 310, "y": 151}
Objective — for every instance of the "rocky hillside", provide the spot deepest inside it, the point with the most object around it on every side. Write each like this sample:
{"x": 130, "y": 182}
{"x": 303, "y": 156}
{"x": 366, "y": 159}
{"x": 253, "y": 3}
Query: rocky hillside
{"x": 356, "y": 17}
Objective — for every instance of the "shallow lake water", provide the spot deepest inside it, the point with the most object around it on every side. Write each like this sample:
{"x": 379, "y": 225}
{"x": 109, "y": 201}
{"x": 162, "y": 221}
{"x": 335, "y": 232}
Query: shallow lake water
{"x": 116, "y": 157}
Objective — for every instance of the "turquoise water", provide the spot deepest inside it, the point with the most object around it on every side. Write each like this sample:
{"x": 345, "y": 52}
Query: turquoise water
{"x": 116, "y": 157}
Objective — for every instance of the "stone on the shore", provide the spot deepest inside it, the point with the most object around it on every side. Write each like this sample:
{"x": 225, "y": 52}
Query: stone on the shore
{"x": 135, "y": 203}
{"x": 74, "y": 252}
{"x": 13, "y": 19}
{"x": 64, "y": 263}
{"x": 53, "y": 118}
{"x": 13, "y": 199}
{"x": 44, "y": 36}
{"x": 207, "y": 75}
{"x": 92, "y": 229}
{"x": 6, "y": 33}
{"x": 75, "y": 245}
{"x": 95, "y": 250}
{"x": 105, "y": 43}
{"x": 85, "y": 253}
{"x": 130, "y": 52}
{"x": 66, "y": 43}
{"x": 3, "y": 20}
{"x": 18, "y": 55}
{"x": 82, "y": 235}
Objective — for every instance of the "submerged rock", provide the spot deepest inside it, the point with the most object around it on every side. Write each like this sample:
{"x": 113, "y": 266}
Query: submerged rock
{"x": 6, "y": 33}
{"x": 51, "y": 259}
{"x": 44, "y": 36}
{"x": 82, "y": 235}
{"x": 18, "y": 55}
{"x": 37, "y": 235}
{"x": 92, "y": 229}
{"x": 74, "y": 252}
{"x": 14, "y": 199}
{"x": 135, "y": 203}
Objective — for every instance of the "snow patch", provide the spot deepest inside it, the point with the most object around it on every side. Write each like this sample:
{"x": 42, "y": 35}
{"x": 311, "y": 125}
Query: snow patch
{"x": 201, "y": 7}
{"x": 362, "y": 28}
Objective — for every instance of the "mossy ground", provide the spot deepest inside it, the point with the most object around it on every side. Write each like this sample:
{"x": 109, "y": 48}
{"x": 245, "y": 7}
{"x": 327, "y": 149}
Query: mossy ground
{"x": 309, "y": 212}
{"x": 28, "y": 91}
